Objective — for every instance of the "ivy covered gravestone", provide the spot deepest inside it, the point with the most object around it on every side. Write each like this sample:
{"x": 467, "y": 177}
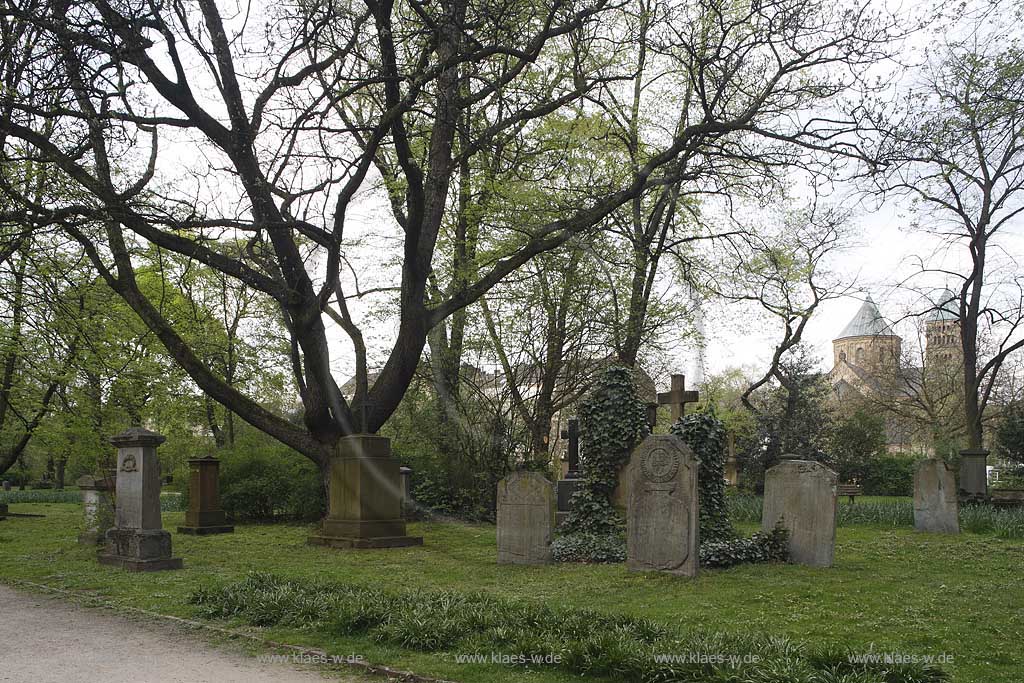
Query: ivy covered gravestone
{"x": 613, "y": 420}
{"x": 705, "y": 434}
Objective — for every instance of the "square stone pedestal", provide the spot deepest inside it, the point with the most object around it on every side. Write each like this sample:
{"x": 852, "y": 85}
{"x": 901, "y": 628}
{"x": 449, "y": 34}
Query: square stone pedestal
{"x": 139, "y": 550}
{"x": 204, "y": 516}
{"x": 365, "y": 498}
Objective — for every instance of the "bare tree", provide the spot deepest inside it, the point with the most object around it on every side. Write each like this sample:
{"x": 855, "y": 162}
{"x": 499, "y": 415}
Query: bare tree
{"x": 958, "y": 153}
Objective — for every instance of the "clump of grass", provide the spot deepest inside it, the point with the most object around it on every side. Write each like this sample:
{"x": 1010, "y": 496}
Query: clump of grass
{"x": 582, "y": 642}
{"x": 988, "y": 519}
{"x": 890, "y": 513}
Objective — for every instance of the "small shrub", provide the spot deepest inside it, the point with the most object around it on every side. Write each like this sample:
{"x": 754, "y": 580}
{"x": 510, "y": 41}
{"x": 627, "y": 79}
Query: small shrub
{"x": 705, "y": 434}
{"x": 262, "y": 481}
{"x": 589, "y": 547}
{"x": 761, "y": 547}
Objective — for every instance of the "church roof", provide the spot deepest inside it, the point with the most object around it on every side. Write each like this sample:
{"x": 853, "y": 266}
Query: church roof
{"x": 947, "y": 307}
{"x": 868, "y": 322}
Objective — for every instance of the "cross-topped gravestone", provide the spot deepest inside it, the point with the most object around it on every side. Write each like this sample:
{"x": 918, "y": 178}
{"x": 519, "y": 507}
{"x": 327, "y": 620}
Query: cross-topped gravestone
{"x": 678, "y": 397}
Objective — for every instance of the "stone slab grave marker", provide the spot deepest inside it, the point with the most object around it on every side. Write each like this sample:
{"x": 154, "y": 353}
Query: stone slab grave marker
{"x": 663, "y": 515}
{"x": 802, "y": 493}
{"x": 365, "y": 497}
{"x": 526, "y": 516}
{"x": 973, "y": 475}
{"x": 97, "y": 508}
{"x": 204, "y": 515}
{"x": 138, "y": 541}
{"x": 936, "y": 508}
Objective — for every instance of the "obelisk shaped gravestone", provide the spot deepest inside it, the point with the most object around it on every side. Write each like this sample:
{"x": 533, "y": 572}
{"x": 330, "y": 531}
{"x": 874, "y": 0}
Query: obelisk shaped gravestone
{"x": 663, "y": 514}
{"x": 802, "y": 494}
{"x": 204, "y": 515}
{"x": 526, "y": 517}
{"x": 936, "y": 508}
{"x": 138, "y": 541}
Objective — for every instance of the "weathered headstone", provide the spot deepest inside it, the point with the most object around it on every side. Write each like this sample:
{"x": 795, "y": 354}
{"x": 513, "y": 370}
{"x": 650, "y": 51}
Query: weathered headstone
{"x": 365, "y": 497}
{"x": 935, "y": 498}
{"x": 526, "y": 516}
{"x": 663, "y": 515}
{"x": 973, "y": 475}
{"x": 138, "y": 541}
{"x": 204, "y": 515}
{"x": 7, "y": 485}
{"x": 98, "y": 509}
{"x": 802, "y": 494}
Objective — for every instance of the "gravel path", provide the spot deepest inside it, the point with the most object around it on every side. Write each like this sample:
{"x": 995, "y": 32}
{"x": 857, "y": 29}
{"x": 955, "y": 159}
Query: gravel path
{"x": 46, "y": 640}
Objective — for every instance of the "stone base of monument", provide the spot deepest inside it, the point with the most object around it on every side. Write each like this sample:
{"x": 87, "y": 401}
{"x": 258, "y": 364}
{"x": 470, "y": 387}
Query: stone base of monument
{"x": 208, "y": 523}
{"x": 3, "y": 511}
{"x": 365, "y": 502}
{"x": 139, "y": 550}
{"x": 563, "y": 493}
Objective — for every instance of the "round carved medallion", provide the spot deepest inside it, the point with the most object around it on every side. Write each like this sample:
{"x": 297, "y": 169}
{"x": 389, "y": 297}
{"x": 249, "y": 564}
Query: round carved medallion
{"x": 660, "y": 464}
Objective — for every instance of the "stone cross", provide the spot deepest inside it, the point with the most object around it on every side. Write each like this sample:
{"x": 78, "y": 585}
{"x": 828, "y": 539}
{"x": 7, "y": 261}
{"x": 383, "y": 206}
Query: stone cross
{"x": 936, "y": 508}
{"x": 138, "y": 541}
{"x": 663, "y": 517}
{"x": 678, "y": 397}
{"x": 526, "y": 514}
{"x": 802, "y": 495}
{"x": 572, "y": 433}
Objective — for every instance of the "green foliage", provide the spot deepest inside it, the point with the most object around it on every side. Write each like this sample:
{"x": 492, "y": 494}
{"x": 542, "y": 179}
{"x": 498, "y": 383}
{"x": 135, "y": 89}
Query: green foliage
{"x": 1009, "y": 441}
{"x": 261, "y": 479}
{"x": 584, "y": 643}
{"x": 589, "y": 547}
{"x": 40, "y": 496}
{"x": 761, "y": 547}
{"x": 705, "y": 434}
{"x": 613, "y": 420}
{"x": 855, "y": 441}
{"x": 889, "y": 475}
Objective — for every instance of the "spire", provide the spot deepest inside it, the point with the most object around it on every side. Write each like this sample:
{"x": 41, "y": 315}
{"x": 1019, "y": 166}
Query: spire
{"x": 946, "y": 307}
{"x": 868, "y": 322}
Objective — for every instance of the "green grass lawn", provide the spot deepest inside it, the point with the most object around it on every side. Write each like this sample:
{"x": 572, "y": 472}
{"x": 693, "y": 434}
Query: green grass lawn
{"x": 901, "y": 591}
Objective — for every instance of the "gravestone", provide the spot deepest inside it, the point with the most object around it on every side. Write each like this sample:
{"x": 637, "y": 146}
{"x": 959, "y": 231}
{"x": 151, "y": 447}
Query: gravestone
{"x": 365, "y": 497}
{"x": 7, "y": 485}
{"x": 567, "y": 486}
{"x": 97, "y": 507}
{"x": 138, "y": 541}
{"x": 3, "y": 511}
{"x": 663, "y": 515}
{"x": 802, "y": 494}
{"x": 973, "y": 475}
{"x": 935, "y": 498}
{"x": 526, "y": 516}
{"x": 204, "y": 515}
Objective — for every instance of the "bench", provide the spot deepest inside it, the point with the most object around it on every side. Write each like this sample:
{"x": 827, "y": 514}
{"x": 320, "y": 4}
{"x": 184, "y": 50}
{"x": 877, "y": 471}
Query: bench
{"x": 850, "y": 490}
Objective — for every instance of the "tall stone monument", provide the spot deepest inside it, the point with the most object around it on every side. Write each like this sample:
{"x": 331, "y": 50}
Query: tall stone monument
{"x": 526, "y": 517}
{"x": 138, "y": 541}
{"x": 365, "y": 497}
{"x": 936, "y": 508}
{"x": 567, "y": 486}
{"x": 204, "y": 515}
{"x": 663, "y": 514}
{"x": 802, "y": 494}
{"x": 98, "y": 509}
{"x": 973, "y": 475}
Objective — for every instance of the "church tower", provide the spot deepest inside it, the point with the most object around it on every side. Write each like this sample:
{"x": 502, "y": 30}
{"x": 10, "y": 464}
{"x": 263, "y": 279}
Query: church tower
{"x": 942, "y": 332}
{"x": 866, "y": 348}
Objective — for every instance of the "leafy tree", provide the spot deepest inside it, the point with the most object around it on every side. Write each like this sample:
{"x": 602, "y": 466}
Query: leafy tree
{"x": 1010, "y": 434}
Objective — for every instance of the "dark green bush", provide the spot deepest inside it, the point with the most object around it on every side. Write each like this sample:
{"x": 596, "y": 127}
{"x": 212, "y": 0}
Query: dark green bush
{"x": 263, "y": 480}
{"x": 888, "y": 475}
{"x": 583, "y": 643}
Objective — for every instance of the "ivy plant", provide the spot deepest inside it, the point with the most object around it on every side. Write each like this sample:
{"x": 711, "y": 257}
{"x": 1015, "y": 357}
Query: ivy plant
{"x": 705, "y": 434}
